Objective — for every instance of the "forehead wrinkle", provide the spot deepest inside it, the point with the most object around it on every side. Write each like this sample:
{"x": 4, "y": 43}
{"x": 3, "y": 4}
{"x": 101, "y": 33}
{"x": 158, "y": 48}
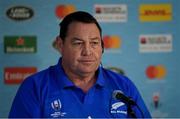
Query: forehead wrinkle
{"x": 81, "y": 39}
{"x": 94, "y": 38}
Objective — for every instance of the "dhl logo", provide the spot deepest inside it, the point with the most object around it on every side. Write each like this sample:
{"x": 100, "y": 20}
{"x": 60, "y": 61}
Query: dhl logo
{"x": 155, "y": 12}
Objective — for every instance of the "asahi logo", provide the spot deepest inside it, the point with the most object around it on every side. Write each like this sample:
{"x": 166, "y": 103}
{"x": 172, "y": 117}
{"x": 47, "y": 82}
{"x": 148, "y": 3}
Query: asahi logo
{"x": 19, "y": 13}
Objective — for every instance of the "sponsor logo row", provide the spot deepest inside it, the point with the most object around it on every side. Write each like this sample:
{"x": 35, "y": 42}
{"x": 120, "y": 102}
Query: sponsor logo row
{"x": 147, "y": 43}
{"x": 102, "y": 12}
{"x": 15, "y": 75}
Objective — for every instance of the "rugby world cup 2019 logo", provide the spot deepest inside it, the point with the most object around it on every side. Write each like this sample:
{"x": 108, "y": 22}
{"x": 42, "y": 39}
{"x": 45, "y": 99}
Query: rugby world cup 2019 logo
{"x": 56, "y": 105}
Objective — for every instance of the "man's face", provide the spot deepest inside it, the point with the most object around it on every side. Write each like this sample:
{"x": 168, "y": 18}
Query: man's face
{"x": 81, "y": 50}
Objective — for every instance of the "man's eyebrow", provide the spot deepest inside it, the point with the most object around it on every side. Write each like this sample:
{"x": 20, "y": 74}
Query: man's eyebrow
{"x": 95, "y": 38}
{"x": 76, "y": 39}
{"x": 79, "y": 39}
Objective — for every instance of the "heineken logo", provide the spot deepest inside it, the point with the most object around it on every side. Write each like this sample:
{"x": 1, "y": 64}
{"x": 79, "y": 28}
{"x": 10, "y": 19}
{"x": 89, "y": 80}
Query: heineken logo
{"x": 19, "y": 13}
{"x": 20, "y": 44}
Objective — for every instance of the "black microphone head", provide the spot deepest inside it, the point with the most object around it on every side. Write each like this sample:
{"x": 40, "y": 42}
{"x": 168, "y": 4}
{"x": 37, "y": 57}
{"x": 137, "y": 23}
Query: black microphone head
{"x": 119, "y": 95}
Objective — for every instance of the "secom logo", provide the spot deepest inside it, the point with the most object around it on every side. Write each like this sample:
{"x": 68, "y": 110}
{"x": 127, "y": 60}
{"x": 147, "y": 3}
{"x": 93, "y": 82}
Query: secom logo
{"x": 63, "y": 10}
{"x": 158, "y": 72}
{"x": 112, "y": 41}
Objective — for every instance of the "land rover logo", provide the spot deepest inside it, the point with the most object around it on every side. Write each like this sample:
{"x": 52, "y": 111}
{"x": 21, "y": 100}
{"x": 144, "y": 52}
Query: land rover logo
{"x": 19, "y": 13}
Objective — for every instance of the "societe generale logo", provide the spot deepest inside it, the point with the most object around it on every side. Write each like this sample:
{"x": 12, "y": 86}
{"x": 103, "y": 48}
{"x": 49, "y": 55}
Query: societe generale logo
{"x": 62, "y": 10}
{"x": 156, "y": 72}
{"x": 111, "y": 42}
{"x": 155, "y": 43}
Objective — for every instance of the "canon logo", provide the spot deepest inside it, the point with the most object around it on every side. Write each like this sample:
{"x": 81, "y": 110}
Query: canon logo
{"x": 19, "y": 13}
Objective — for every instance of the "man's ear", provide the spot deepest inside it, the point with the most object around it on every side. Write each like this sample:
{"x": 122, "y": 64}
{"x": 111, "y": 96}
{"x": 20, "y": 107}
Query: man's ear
{"x": 59, "y": 44}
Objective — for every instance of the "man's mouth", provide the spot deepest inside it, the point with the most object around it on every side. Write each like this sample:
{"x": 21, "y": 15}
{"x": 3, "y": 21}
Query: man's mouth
{"x": 87, "y": 61}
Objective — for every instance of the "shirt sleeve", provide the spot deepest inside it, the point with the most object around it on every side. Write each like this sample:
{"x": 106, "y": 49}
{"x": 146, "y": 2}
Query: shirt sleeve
{"x": 26, "y": 102}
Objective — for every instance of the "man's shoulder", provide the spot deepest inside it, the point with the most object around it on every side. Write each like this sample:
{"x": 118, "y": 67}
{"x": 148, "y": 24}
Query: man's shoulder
{"x": 40, "y": 77}
{"x": 114, "y": 75}
{"x": 117, "y": 79}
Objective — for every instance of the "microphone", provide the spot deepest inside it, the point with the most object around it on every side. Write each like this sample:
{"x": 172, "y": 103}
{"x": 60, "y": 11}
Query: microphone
{"x": 119, "y": 95}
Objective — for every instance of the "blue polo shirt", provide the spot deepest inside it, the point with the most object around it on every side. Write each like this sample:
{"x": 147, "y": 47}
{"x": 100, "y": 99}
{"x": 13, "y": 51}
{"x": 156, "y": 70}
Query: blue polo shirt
{"x": 50, "y": 94}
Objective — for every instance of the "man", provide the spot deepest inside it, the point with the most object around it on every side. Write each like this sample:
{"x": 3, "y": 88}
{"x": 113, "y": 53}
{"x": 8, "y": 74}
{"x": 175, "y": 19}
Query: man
{"x": 78, "y": 86}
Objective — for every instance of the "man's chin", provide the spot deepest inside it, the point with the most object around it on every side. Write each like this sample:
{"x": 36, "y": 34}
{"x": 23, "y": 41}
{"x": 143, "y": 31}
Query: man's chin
{"x": 87, "y": 71}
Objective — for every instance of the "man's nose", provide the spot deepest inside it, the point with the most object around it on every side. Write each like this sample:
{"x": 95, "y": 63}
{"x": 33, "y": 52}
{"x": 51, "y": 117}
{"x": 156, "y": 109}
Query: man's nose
{"x": 87, "y": 50}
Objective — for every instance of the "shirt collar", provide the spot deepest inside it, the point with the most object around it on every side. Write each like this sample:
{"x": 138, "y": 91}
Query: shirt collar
{"x": 62, "y": 78}
{"x": 100, "y": 77}
{"x": 65, "y": 82}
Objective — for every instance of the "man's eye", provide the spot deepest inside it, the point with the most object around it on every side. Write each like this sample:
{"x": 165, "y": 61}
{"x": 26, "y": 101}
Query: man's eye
{"x": 77, "y": 43}
{"x": 95, "y": 43}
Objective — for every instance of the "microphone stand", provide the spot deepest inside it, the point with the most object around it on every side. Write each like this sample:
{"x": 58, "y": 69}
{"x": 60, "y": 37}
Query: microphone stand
{"x": 130, "y": 111}
{"x": 129, "y": 103}
{"x": 129, "y": 108}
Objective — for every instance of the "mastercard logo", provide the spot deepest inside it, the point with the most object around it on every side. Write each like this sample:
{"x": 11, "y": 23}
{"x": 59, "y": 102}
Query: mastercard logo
{"x": 158, "y": 72}
{"x": 112, "y": 41}
{"x": 63, "y": 10}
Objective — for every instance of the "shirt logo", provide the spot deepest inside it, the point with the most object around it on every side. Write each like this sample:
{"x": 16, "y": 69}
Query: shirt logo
{"x": 118, "y": 107}
{"x": 56, "y": 105}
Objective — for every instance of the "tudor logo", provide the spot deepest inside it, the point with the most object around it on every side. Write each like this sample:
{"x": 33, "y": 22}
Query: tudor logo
{"x": 19, "y": 13}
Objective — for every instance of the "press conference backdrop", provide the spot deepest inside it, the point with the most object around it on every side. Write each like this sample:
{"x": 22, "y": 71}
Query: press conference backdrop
{"x": 141, "y": 41}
